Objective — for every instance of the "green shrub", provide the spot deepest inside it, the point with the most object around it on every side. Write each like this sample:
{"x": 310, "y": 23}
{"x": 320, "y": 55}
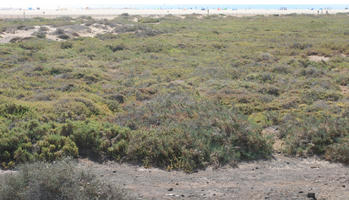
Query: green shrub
{"x": 311, "y": 95}
{"x": 168, "y": 148}
{"x": 86, "y": 135}
{"x": 75, "y": 109}
{"x": 180, "y": 131}
{"x": 63, "y": 36}
{"x": 66, "y": 45}
{"x": 33, "y": 44}
{"x": 316, "y": 136}
{"x": 14, "y": 147}
{"x": 117, "y": 47}
{"x": 301, "y": 46}
{"x": 54, "y": 147}
{"x": 149, "y": 20}
{"x": 98, "y": 139}
{"x": 115, "y": 141}
{"x": 339, "y": 152}
{"x": 59, "y": 180}
{"x": 20, "y": 143}
{"x": 39, "y": 34}
{"x": 11, "y": 110}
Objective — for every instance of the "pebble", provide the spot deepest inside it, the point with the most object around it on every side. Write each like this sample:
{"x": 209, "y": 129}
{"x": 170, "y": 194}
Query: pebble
{"x": 311, "y": 195}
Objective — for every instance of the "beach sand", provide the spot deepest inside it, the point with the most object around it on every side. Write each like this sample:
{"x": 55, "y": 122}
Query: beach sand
{"x": 110, "y": 13}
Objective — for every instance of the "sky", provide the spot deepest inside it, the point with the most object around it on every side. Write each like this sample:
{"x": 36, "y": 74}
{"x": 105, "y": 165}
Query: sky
{"x": 84, "y": 3}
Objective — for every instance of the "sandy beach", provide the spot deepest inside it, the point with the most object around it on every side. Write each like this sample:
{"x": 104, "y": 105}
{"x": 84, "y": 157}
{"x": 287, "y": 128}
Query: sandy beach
{"x": 110, "y": 13}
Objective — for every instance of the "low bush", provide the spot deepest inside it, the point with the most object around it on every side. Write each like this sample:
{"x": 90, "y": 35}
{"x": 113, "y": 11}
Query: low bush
{"x": 149, "y": 20}
{"x": 66, "y": 45}
{"x": 339, "y": 152}
{"x": 322, "y": 135}
{"x": 179, "y": 130}
{"x": 54, "y": 147}
{"x": 15, "y": 147}
{"x": 39, "y": 34}
{"x": 12, "y": 110}
{"x": 98, "y": 140}
{"x": 58, "y": 180}
{"x": 75, "y": 109}
{"x": 117, "y": 47}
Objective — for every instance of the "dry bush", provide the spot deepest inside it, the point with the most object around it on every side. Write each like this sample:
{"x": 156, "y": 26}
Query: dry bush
{"x": 60, "y": 180}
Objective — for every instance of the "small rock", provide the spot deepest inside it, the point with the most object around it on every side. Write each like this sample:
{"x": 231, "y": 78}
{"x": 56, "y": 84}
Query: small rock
{"x": 114, "y": 171}
{"x": 311, "y": 195}
{"x": 177, "y": 184}
{"x": 170, "y": 189}
{"x": 182, "y": 195}
{"x": 300, "y": 192}
{"x": 343, "y": 186}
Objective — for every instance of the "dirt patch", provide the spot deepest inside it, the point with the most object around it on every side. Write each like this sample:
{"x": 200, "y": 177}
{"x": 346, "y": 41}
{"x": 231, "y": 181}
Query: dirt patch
{"x": 316, "y": 58}
{"x": 55, "y": 33}
{"x": 345, "y": 90}
{"x": 6, "y": 37}
{"x": 280, "y": 178}
{"x": 274, "y": 133}
{"x": 3, "y": 172}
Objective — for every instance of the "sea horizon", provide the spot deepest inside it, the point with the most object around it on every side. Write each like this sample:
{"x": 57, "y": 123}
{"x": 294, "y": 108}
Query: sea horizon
{"x": 196, "y": 6}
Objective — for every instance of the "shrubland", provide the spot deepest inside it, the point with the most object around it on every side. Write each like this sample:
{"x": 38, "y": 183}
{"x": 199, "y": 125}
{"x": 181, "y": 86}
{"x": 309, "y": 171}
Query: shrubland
{"x": 177, "y": 93}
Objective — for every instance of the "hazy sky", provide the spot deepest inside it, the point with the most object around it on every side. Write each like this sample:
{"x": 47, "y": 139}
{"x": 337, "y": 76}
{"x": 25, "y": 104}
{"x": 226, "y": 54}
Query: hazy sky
{"x": 82, "y": 3}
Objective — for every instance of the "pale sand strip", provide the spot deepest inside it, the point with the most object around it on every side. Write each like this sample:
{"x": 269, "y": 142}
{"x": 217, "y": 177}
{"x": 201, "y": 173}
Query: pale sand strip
{"x": 109, "y": 13}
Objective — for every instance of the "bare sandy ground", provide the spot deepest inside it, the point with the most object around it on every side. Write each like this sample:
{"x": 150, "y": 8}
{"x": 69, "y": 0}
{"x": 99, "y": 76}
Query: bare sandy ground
{"x": 73, "y": 31}
{"x": 316, "y": 58}
{"x": 110, "y": 13}
{"x": 280, "y": 178}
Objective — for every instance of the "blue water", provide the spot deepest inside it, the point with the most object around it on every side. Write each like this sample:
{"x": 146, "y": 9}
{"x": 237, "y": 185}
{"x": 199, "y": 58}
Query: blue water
{"x": 225, "y": 6}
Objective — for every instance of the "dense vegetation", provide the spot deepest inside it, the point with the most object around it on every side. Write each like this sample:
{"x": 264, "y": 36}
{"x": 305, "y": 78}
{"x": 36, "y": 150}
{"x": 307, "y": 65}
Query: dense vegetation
{"x": 177, "y": 93}
{"x": 60, "y": 181}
